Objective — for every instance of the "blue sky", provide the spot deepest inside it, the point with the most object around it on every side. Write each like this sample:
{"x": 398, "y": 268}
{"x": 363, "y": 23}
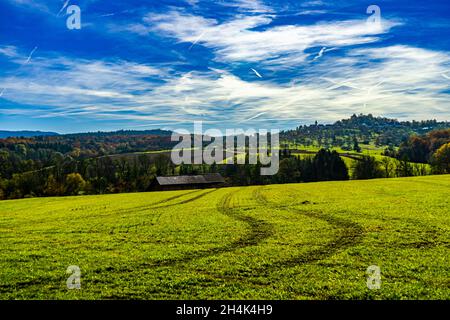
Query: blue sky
{"x": 232, "y": 64}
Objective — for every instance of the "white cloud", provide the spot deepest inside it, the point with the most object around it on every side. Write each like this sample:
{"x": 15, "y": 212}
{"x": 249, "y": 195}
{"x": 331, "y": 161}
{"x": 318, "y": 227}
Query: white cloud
{"x": 331, "y": 89}
{"x": 32, "y": 4}
{"x": 9, "y": 51}
{"x": 312, "y": 3}
{"x": 310, "y": 12}
{"x": 254, "y": 6}
{"x": 192, "y": 2}
{"x": 237, "y": 40}
{"x": 398, "y": 80}
{"x": 387, "y": 87}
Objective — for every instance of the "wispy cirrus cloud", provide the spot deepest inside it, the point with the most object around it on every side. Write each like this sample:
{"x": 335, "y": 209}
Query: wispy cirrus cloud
{"x": 386, "y": 87}
{"x": 254, "y": 6}
{"x": 9, "y": 51}
{"x": 32, "y": 5}
{"x": 253, "y": 38}
{"x": 252, "y": 63}
{"x": 70, "y": 84}
{"x": 144, "y": 94}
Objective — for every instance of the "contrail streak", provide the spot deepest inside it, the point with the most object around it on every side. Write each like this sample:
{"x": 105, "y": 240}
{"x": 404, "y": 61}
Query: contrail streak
{"x": 63, "y": 7}
{"x": 31, "y": 54}
{"x": 196, "y": 40}
{"x": 254, "y": 117}
{"x": 256, "y": 72}
{"x": 322, "y": 51}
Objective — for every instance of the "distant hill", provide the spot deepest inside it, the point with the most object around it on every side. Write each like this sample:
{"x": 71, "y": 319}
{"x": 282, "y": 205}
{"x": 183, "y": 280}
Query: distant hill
{"x": 29, "y": 134}
{"x": 46, "y": 146}
{"x": 362, "y": 128}
{"x": 25, "y": 133}
{"x": 154, "y": 132}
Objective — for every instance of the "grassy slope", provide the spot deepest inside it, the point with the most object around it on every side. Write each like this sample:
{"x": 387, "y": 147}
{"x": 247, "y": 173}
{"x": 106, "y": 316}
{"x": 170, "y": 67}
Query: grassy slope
{"x": 296, "y": 241}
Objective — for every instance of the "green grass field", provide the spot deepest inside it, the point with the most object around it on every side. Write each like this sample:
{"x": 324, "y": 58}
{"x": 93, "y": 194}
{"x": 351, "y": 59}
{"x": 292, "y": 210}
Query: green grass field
{"x": 294, "y": 241}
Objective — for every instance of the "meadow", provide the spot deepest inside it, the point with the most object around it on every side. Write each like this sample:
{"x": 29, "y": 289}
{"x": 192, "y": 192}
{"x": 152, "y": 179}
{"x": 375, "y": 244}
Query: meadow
{"x": 292, "y": 241}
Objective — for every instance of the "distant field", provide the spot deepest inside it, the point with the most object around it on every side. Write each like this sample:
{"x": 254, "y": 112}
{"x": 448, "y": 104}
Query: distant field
{"x": 294, "y": 241}
{"x": 368, "y": 149}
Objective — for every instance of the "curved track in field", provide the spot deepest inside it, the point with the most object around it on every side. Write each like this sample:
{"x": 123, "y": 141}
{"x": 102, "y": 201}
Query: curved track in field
{"x": 258, "y": 230}
{"x": 155, "y": 204}
{"x": 182, "y": 201}
{"x": 351, "y": 234}
{"x": 156, "y": 217}
{"x": 139, "y": 207}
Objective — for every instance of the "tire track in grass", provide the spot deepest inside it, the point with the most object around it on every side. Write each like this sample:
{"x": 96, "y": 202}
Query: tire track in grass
{"x": 158, "y": 216}
{"x": 126, "y": 210}
{"x": 139, "y": 208}
{"x": 152, "y": 205}
{"x": 185, "y": 201}
{"x": 149, "y": 206}
{"x": 424, "y": 238}
{"x": 156, "y": 219}
{"x": 352, "y": 234}
{"x": 258, "y": 231}
{"x": 39, "y": 281}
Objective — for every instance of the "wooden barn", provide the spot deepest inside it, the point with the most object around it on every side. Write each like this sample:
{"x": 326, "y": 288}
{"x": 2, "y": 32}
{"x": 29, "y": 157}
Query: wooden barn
{"x": 200, "y": 181}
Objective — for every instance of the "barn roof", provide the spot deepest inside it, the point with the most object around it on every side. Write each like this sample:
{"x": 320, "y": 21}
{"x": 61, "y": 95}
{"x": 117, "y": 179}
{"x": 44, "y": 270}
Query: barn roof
{"x": 195, "y": 179}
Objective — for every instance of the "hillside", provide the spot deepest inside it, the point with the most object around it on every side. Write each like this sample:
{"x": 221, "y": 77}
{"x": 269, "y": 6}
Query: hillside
{"x": 366, "y": 129}
{"x": 292, "y": 241}
{"x": 130, "y": 160}
{"x": 8, "y": 134}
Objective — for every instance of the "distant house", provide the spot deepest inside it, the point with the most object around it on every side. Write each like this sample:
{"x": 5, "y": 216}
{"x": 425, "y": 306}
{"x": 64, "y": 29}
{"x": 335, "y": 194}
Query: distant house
{"x": 209, "y": 180}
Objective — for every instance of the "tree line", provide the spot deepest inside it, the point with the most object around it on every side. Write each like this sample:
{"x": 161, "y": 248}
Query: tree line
{"x": 432, "y": 148}
{"x": 363, "y": 128}
{"x": 101, "y": 163}
{"x": 134, "y": 174}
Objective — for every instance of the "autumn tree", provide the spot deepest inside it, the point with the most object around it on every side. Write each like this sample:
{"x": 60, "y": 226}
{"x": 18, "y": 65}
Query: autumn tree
{"x": 74, "y": 183}
{"x": 51, "y": 187}
{"x": 441, "y": 159}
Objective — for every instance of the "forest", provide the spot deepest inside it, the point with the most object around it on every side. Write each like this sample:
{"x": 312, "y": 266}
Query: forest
{"x": 129, "y": 161}
{"x": 365, "y": 129}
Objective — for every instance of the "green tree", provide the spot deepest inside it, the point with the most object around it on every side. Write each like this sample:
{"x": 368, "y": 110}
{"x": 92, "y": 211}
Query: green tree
{"x": 404, "y": 168}
{"x": 162, "y": 164}
{"x": 288, "y": 171}
{"x": 2, "y": 189}
{"x": 356, "y": 146}
{"x": 441, "y": 159}
{"x": 51, "y": 187}
{"x": 328, "y": 165}
{"x": 74, "y": 183}
{"x": 388, "y": 166}
{"x": 367, "y": 168}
